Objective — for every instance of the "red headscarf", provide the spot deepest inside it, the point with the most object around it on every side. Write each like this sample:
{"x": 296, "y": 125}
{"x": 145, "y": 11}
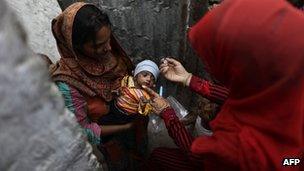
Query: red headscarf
{"x": 256, "y": 49}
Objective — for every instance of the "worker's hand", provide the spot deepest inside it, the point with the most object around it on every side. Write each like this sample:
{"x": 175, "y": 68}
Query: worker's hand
{"x": 157, "y": 102}
{"x": 174, "y": 71}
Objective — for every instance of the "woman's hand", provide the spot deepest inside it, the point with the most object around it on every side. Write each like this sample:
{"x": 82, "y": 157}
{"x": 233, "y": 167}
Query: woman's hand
{"x": 174, "y": 71}
{"x": 157, "y": 102}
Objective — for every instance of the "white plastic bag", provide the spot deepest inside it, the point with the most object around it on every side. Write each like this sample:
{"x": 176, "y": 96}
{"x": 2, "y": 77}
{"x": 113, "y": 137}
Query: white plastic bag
{"x": 155, "y": 123}
{"x": 179, "y": 109}
{"x": 200, "y": 130}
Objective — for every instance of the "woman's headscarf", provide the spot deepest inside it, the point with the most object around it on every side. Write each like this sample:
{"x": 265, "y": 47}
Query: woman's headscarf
{"x": 89, "y": 76}
{"x": 256, "y": 49}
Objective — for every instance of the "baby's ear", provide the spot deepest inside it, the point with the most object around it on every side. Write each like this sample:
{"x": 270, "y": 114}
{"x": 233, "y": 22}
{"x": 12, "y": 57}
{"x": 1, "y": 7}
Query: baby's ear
{"x": 154, "y": 85}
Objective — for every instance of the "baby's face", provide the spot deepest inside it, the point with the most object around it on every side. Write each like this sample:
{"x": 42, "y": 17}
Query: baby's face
{"x": 145, "y": 78}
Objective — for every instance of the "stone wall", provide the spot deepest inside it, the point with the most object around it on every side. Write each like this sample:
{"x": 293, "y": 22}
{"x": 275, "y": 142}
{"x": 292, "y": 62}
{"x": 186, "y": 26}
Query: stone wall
{"x": 37, "y": 133}
{"x": 36, "y": 16}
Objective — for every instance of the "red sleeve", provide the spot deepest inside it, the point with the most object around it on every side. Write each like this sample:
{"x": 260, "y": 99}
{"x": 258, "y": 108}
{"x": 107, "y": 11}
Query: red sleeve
{"x": 213, "y": 92}
{"x": 177, "y": 130}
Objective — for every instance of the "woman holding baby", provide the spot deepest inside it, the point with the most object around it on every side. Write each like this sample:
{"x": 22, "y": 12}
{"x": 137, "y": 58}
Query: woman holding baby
{"x": 88, "y": 74}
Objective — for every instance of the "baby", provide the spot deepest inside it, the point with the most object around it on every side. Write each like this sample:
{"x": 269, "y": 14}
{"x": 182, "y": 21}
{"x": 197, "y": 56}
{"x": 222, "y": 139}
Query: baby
{"x": 132, "y": 99}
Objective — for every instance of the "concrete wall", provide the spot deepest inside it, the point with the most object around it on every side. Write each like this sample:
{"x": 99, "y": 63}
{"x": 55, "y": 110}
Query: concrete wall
{"x": 37, "y": 133}
{"x": 36, "y": 16}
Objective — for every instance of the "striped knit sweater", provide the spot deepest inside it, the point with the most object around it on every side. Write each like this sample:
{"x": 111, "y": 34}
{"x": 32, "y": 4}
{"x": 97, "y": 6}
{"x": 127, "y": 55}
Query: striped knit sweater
{"x": 133, "y": 100}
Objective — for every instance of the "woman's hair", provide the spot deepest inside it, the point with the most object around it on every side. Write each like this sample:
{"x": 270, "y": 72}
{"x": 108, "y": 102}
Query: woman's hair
{"x": 297, "y": 3}
{"x": 88, "y": 21}
{"x": 212, "y": 2}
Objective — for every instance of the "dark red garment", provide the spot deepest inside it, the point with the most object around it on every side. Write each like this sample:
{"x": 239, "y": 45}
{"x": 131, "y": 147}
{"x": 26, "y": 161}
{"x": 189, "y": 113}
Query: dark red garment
{"x": 256, "y": 49}
{"x": 211, "y": 91}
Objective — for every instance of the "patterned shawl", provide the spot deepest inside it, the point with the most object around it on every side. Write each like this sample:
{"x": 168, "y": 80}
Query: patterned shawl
{"x": 91, "y": 77}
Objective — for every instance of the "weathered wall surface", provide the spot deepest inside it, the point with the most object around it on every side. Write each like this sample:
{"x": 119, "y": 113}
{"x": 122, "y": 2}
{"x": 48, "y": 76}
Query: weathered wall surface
{"x": 36, "y": 131}
{"x": 36, "y": 16}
